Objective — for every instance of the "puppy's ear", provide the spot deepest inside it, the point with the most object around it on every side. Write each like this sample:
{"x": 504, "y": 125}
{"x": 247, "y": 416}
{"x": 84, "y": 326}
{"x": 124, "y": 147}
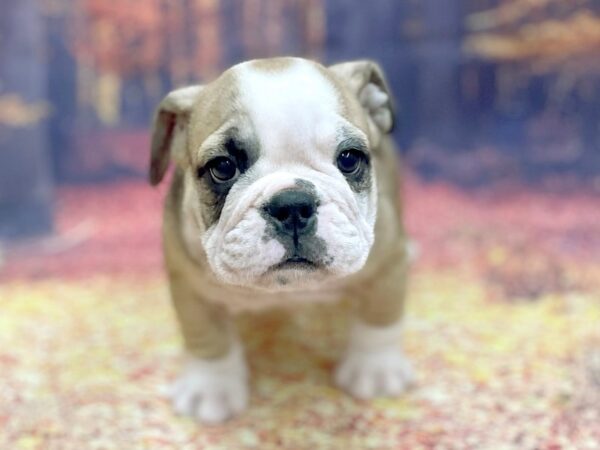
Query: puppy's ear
{"x": 168, "y": 129}
{"x": 366, "y": 80}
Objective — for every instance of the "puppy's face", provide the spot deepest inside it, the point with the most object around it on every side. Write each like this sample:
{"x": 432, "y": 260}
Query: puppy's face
{"x": 279, "y": 188}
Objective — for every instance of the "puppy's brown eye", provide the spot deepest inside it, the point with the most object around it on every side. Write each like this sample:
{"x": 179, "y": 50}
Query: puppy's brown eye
{"x": 350, "y": 161}
{"x": 222, "y": 169}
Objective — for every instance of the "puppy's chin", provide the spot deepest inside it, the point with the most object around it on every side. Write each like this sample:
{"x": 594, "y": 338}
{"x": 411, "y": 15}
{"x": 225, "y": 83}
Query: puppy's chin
{"x": 294, "y": 277}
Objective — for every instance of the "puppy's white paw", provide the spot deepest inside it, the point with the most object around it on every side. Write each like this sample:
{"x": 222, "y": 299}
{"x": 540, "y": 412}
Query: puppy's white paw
{"x": 384, "y": 373}
{"x": 212, "y": 391}
{"x": 374, "y": 365}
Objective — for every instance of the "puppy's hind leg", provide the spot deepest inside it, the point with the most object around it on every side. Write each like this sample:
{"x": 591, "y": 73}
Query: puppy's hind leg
{"x": 374, "y": 364}
{"x": 213, "y": 386}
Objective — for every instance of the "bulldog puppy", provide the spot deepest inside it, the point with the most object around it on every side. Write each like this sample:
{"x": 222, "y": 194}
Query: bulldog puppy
{"x": 284, "y": 193}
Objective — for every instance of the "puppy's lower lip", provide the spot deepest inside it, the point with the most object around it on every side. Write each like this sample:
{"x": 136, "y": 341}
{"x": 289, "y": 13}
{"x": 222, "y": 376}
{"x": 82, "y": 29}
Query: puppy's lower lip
{"x": 298, "y": 259}
{"x": 296, "y": 262}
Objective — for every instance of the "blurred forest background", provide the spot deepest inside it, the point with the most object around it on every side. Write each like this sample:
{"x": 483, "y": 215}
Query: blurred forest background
{"x": 489, "y": 91}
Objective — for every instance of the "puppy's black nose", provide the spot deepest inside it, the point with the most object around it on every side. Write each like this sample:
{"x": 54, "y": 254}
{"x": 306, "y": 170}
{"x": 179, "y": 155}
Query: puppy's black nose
{"x": 293, "y": 211}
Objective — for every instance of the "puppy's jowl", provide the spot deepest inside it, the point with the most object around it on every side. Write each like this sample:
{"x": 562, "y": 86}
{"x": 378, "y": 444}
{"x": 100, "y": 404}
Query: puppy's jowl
{"x": 284, "y": 192}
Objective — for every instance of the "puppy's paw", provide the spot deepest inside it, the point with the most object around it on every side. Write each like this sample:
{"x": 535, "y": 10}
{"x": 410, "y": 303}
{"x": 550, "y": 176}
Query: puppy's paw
{"x": 384, "y": 373}
{"x": 374, "y": 365}
{"x": 212, "y": 391}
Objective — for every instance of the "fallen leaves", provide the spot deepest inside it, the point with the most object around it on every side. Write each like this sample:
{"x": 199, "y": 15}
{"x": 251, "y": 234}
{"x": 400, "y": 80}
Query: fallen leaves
{"x": 539, "y": 34}
{"x": 91, "y": 353}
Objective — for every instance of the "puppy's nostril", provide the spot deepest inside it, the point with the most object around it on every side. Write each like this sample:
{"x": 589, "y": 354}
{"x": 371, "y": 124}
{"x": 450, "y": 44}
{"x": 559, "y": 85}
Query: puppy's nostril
{"x": 306, "y": 211}
{"x": 282, "y": 214}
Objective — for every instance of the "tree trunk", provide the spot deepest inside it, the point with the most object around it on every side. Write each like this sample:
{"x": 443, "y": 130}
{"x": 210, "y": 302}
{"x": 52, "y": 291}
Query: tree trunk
{"x": 375, "y": 30}
{"x": 440, "y": 55}
{"x": 25, "y": 181}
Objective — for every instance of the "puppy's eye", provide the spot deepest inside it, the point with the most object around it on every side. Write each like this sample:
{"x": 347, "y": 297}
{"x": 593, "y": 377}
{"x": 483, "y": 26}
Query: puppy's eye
{"x": 222, "y": 169}
{"x": 350, "y": 161}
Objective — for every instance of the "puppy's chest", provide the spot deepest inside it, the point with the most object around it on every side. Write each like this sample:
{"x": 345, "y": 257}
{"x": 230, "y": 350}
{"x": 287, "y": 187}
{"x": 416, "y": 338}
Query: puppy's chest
{"x": 243, "y": 299}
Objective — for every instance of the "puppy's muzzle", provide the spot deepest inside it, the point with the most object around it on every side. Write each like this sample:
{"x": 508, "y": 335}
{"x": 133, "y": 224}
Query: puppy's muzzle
{"x": 293, "y": 213}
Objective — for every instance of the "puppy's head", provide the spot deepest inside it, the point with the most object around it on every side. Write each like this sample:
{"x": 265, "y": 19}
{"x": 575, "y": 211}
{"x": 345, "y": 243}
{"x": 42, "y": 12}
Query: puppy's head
{"x": 276, "y": 159}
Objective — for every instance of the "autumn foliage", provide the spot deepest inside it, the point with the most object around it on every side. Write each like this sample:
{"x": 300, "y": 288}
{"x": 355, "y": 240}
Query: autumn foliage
{"x": 545, "y": 35}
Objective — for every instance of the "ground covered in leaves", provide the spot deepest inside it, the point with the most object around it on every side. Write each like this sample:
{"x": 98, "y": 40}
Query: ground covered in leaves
{"x": 503, "y": 326}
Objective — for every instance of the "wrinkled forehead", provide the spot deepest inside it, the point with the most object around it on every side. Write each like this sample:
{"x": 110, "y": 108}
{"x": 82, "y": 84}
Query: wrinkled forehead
{"x": 291, "y": 105}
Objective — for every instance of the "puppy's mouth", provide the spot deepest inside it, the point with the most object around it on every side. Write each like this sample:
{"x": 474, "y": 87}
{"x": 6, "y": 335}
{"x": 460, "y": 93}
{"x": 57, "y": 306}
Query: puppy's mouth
{"x": 296, "y": 262}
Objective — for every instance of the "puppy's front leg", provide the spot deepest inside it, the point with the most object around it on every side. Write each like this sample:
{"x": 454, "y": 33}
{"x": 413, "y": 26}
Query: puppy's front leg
{"x": 213, "y": 386}
{"x": 374, "y": 364}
